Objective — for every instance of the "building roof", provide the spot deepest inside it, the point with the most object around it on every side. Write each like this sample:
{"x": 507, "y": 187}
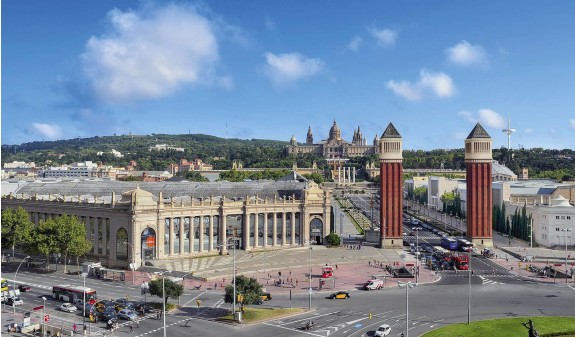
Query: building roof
{"x": 101, "y": 189}
{"x": 499, "y": 169}
{"x": 478, "y": 132}
{"x": 390, "y": 132}
{"x": 533, "y": 187}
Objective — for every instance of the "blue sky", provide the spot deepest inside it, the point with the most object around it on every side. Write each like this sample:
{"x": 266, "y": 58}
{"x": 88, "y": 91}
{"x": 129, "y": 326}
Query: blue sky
{"x": 270, "y": 69}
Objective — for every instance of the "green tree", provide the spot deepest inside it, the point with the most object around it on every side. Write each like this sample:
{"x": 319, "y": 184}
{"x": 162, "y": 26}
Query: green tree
{"x": 248, "y": 287}
{"x": 194, "y": 176}
{"x": 333, "y": 239}
{"x": 173, "y": 289}
{"x": 72, "y": 238}
{"x": 44, "y": 238}
{"x": 316, "y": 177}
{"x": 16, "y": 227}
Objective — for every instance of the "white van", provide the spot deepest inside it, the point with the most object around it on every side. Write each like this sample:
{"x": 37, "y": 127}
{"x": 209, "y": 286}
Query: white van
{"x": 373, "y": 285}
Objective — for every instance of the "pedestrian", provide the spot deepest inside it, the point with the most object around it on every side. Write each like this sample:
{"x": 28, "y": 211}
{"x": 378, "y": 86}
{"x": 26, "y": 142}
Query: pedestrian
{"x": 137, "y": 324}
{"x": 131, "y": 328}
{"x": 296, "y": 282}
{"x": 74, "y": 327}
{"x": 336, "y": 267}
{"x": 85, "y": 328}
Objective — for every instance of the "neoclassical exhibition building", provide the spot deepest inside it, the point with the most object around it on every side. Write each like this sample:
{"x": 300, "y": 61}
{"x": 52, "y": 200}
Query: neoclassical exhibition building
{"x": 133, "y": 222}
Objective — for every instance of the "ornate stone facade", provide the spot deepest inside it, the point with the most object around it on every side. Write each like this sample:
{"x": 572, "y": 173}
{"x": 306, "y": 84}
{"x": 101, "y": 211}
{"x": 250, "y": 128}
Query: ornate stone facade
{"x": 334, "y": 147}
{"x": 130, "y": 222}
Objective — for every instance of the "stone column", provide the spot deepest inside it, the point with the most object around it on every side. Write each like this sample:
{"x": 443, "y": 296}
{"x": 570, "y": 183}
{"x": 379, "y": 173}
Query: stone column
{"x": 171, "y": 237}
{"x": 265, "y": 230}
{"x": 246, "y": 230}
{"x": 202, "y": 229}
{"x": 284, "y": 227}
{"x": 95, "y": 242}
{"x": 211, "y": 234}
{"x": 223, "y": 232}
{"x": 274, "y": 230}
{"x": 182, "y": 235}
{"x": 256, "y": 230}
{"x": 349, "y": 174}
{"x": 293, "y": 228}
{"x": 339, "y": 174}
{"x": 354, "y": 175}
{"x": 130, "y": 235}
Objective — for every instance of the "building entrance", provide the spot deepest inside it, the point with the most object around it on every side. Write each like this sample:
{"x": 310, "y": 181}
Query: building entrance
{"x": 316, "y": 231}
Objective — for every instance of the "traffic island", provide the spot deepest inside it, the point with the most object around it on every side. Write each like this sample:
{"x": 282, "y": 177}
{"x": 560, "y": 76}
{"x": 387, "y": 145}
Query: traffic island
{"x": 257, "y": 315}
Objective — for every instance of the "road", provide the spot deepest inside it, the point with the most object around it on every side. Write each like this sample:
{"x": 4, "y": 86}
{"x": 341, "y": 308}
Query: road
{"x": 494, "y": 293}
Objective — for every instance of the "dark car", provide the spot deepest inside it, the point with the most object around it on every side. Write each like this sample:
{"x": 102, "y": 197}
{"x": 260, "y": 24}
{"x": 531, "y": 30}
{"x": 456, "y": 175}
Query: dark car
{"x": 108, "y": 315}
{"x": 339, "y": 294}
{"x": 24, "y": 288}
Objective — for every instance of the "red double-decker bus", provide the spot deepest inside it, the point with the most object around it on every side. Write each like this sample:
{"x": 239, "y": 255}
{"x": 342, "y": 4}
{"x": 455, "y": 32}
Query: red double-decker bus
{"x": 73, "y": 294}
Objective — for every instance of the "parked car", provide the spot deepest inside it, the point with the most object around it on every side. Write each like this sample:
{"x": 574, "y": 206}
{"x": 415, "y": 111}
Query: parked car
{"x": 24, "y": 288}
{"x": 14, "y": 301}
{"x": 127, "y": 314}
{"x": 339, "y": 295}
{"x": 67, "y": 307}
{"x": 383, "y": 330}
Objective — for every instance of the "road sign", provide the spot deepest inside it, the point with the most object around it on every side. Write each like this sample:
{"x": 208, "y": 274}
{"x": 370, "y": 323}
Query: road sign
{"x": 151, "y": 241}
{"x": 46, "y": 318}
{"x": 38, "y": 307}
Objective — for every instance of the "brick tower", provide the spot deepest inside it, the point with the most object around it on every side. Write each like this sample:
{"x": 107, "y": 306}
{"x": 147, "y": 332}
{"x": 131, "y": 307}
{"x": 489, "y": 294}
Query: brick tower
{"x": 478, "y": 158}
{"x": 390, "y": 184}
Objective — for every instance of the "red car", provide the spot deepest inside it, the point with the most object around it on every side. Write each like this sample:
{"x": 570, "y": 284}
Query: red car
{"x": 24, "y": 288}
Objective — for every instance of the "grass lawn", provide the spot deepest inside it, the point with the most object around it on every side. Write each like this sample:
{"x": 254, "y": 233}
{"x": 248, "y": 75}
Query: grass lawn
{"x": 252, "y": 315}
{"x": 545, "y": 326}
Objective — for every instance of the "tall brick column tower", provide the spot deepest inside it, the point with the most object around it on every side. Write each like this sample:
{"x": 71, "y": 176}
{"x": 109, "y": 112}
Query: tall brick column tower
{"x": 478, "y": 158}
{"x": 390, "y": 182}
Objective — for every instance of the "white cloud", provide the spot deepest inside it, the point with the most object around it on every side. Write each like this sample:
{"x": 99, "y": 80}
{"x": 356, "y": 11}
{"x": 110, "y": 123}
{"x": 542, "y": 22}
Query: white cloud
{"x": 572, "y": 123}
{"x": 50, "y": 131}
{"x": 435, "y": 84}
{"x": 492, "y": 119}
{"x": 385, "y": 37}
{"x": 486, "y": 117}
{"x": 530, "y": 130}
{"x": 355, "y": 43}
{"x": 287, "y": 69}
{"x": 152, "y": 53}
{"x": 466, "y": 54}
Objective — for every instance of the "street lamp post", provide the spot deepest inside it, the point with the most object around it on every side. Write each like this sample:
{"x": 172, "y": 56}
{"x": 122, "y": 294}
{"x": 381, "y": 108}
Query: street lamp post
{"x": 133, "y": 262}
{"x": 234, "y": 271}
{"x": 84, "y": 298}
{"x": 309, "y": 276}
{"x": 566, "y": 230}
{"x": 43, "y": 320}
{"x": 416, "y": 251}
{"x": 14, "y": 283}
{"x": 407, "y": 285}
{"x": 469, "y": 288}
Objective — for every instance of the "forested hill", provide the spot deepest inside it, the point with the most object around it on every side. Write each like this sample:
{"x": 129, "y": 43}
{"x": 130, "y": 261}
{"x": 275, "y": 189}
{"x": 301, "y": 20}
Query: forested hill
{"x": 214, "y": 150}
{"x": 259, "y": 153}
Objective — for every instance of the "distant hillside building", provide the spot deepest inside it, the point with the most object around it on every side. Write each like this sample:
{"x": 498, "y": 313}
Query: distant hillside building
{"x": 334, "y": 146}
{"x": 159, "y": 147}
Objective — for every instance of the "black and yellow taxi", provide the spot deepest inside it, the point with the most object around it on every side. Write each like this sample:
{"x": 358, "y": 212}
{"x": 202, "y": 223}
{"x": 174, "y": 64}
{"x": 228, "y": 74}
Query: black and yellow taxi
{"x": 264, "y": 297}
{"x": 339, "y": 295}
